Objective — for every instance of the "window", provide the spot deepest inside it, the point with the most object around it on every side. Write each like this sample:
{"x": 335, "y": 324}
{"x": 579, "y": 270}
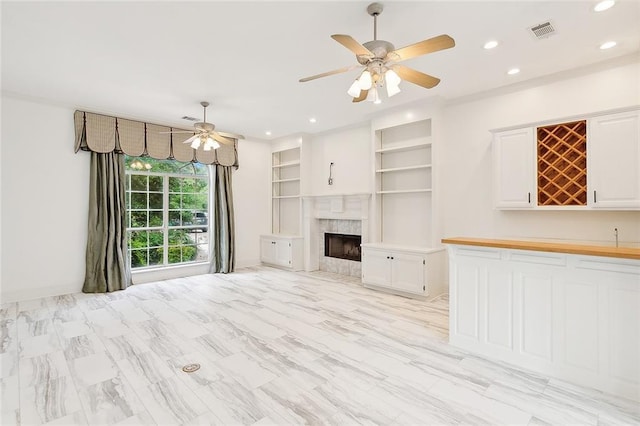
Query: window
{"x": 167, "y": 212}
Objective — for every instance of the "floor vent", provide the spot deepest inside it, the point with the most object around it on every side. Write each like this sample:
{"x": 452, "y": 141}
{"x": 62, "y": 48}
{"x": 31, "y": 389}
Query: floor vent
{"x": 190, "y": 368}
{"x": 543, "y": 30}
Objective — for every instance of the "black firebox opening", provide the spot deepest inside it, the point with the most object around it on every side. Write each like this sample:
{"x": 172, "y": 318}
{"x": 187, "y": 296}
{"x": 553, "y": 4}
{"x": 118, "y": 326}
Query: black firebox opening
{"x": 342, "y": 246}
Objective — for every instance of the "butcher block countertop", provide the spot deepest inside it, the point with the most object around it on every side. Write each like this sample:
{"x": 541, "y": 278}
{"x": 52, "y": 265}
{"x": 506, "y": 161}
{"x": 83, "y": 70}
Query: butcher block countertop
{"x": 583, "y": 249}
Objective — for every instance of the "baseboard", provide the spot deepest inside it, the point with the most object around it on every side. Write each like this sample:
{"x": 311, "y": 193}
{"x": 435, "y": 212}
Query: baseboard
{"x": 37, "y": 293}
{"x": 169, "y": 273}
{"x": 246, "y": 263}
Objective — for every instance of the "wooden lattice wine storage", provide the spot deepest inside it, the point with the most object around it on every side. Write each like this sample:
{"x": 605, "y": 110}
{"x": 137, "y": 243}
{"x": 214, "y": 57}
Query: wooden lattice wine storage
{"x": 562, "y": 164}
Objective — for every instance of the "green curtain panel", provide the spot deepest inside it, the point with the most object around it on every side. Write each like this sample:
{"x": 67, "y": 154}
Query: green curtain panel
{"x": 222, "y": 238}
{"x": 107, "y": 268}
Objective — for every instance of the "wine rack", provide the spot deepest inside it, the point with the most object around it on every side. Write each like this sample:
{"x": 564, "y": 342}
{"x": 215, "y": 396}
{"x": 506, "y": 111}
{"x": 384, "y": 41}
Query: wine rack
{"x": 562, "y": 164}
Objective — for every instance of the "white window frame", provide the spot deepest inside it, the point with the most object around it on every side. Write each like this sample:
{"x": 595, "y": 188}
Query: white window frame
{"x": 165, "y": 228}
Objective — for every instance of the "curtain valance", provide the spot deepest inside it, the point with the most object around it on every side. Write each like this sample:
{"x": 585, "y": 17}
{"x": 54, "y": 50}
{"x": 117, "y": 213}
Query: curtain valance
{"x": 102, "y": 133}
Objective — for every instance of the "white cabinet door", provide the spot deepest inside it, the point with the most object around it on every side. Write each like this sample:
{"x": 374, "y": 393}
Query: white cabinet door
{"x": 283, "y": 252}
{"x": 376, "y": 268}
{"x": 267, "y": 250}
{"x": 514, "y": 180}
{"x": 613, "y": 161}
{"x": 407, "y": 272}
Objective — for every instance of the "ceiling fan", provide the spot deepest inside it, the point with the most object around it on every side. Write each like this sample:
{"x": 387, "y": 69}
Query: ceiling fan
{"x": 379, "y": 58}
{"x": 206, "y": 135}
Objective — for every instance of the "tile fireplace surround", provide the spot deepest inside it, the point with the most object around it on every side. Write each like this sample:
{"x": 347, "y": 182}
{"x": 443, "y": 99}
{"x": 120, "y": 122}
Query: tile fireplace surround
{"x": 341, "y": 213}
{"x": 332, "y": 264}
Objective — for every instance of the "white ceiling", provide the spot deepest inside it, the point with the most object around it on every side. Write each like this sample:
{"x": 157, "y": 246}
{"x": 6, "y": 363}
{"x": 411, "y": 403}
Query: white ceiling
{"x": 157, "y": 60}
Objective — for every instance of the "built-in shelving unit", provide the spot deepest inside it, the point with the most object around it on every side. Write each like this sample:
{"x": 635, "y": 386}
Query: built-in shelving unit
{"x": 285, "y": 191}
{"x": 404, "y": 183}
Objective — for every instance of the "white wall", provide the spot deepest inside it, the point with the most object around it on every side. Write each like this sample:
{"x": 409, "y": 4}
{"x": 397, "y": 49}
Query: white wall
{"x": 45, "y": 201}
{"x": 350, "y": 151}
{"x": 251, "y": 200}
{"x": 466, "y": 158}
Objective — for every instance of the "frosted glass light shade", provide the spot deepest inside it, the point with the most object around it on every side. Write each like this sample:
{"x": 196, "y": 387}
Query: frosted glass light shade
{"x": 373, "y": 96}
{"x": 195, "y": 144}
{"x": 365, "y": 80}
{"x": 392, "y": 90}
{"x": 354, "y": 90}
{"x": 211, "y": 144}
{"x": 391, "y": 78}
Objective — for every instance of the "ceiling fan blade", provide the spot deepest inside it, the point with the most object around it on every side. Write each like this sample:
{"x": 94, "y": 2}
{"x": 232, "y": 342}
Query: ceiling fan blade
{"x": 177, "y": 131}
{"x": 191, "y": 139}
{"x": 222, "y": 139}
{"x": 328, "y": 73}
{"x": 416, "y": 77}
{"x": 351, "y": 44}
{"x": 434, "y": 44}
{"x": 230, "y": 135}
{"x": 361, "y": 97}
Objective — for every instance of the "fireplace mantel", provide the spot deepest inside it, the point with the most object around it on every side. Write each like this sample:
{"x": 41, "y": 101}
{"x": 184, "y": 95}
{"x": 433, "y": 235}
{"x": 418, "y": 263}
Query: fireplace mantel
{"x": 337, "y": 206}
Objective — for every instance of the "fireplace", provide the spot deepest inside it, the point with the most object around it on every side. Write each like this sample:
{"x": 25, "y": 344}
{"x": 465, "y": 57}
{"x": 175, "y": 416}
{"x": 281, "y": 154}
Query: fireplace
{"x": 342, "y": 246}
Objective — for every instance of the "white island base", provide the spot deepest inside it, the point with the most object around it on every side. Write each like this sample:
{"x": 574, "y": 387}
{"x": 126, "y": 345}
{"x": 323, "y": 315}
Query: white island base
{"x": 571, "y": 316}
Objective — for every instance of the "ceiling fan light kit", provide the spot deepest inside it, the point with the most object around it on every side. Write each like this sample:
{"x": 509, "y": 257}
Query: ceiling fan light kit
{"x": 380, "y": 58}
{"x": 206, "y": 135}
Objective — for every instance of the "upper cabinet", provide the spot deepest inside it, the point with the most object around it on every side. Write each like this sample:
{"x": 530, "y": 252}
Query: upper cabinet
{"x": 513, "y": 172}
{"x": 613, "y": 161}
{"x": 592, "y": 163}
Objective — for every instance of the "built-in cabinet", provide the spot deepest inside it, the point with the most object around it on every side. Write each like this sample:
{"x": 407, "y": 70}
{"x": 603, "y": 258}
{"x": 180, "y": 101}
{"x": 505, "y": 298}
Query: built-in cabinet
{"x": 282, "y": 251}
{"x": 284, "y": 247}
{"x": 402, "y": 256}
{"x": 613, "y": 163}
{"x": 611, "y": 169}
{"x": 513, "y": 168}
{"x": 403, "y": 199}
{"x": 285, "y": 191}
{"x": 402, "y": 269}
{"x": 565, "y": 315}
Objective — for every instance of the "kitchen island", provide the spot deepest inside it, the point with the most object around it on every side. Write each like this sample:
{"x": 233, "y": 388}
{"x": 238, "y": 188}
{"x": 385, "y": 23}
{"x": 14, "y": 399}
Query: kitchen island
{"x": 570, "y": 311}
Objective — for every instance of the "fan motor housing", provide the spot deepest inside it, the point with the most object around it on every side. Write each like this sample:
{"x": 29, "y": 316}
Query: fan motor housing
{"x": 379, "y": 48}
{"x": 207, "y": 127}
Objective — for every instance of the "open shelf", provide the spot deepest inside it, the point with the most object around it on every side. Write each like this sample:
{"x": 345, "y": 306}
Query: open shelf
{"x": 279, "y": 197}
{"x": 288, "y": 164}
{"x": 285, "y": 191}
{"x": 400, "y": 148}
{"x": 403, "y": 191}
{"x": 400, "y": 169}
{"x": 403, "y": 173}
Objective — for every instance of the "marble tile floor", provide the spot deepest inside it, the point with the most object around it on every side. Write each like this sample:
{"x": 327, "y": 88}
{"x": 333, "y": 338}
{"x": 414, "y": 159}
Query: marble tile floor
{"x": 275, "y": 347}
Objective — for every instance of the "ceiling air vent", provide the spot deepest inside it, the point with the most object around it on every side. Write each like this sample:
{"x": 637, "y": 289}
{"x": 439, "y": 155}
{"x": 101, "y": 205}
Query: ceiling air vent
{"x": 186, "y": 117}
{"x": 543, "y": 30}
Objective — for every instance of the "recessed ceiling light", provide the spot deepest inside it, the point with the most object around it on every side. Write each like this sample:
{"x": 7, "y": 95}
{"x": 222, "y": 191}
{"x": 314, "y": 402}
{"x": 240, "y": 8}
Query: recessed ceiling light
{"x": 312, "y": 120}
{"x": 607, "y": 45}
{"x": 490, "y": 44}
{"x": 604, "y": 5}
{"x": 513, "y": 71}
{"x": 268, "y": 133}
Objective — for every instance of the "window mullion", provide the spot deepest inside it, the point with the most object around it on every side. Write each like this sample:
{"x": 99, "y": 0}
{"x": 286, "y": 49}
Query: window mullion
{"x": 165, "y": 219}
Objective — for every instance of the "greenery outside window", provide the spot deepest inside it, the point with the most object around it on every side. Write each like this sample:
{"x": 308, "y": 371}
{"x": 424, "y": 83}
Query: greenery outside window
{"x": 167, "y": 212}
